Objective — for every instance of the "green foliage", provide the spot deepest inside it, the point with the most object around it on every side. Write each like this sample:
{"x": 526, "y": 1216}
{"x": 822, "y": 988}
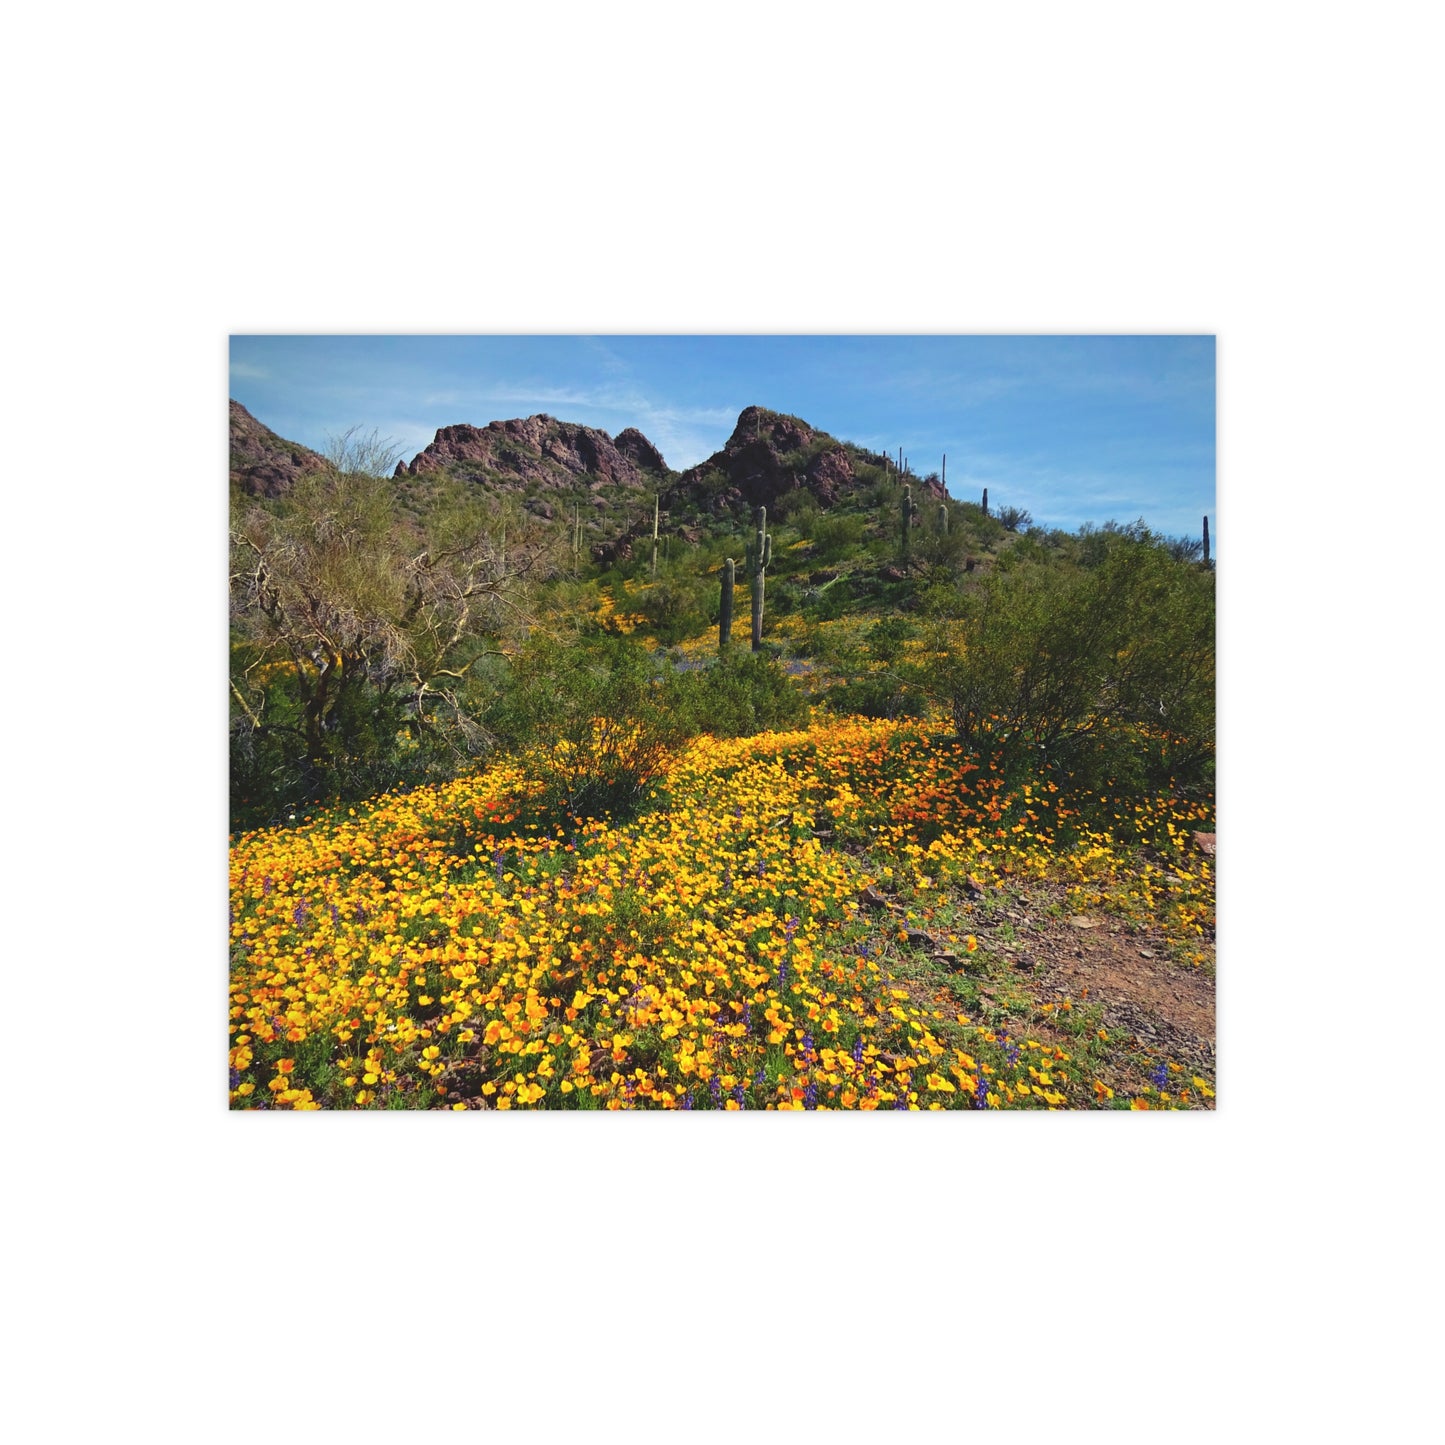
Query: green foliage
{"x": 836, "y": 536}
{"x": 885, "y": 639}
{"x": 675, "y": 608}
{"x": 800, "y": 510}
{"x": 355, "y": 629}
{"x": 1184, "y": 549}
{"x": 743, "y": 693}
{"x": 890, "y": 693}
{"x": 1012, "y": 518}
{"x": 596, "y": 720}
{"x": 1047, "y": 661}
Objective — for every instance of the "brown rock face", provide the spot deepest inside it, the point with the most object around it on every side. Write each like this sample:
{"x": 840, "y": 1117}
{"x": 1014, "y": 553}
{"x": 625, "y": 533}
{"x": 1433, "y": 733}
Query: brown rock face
{"x": 542, "y": 450}
{"x": 767, "y": 456}
{"x": 828, "y": 474}
{"x": 263, "y": 463}
{"x": 636, "y": 447}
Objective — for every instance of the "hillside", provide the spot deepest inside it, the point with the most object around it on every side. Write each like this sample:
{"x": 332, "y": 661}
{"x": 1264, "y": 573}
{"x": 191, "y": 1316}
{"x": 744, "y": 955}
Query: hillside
{"x": 937, "y": 835}
{"x": 562, "y": 471}
{"x": 264, "y": 464}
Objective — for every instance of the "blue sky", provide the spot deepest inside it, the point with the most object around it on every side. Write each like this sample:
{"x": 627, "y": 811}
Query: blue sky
{"x": 1075, "y": 429}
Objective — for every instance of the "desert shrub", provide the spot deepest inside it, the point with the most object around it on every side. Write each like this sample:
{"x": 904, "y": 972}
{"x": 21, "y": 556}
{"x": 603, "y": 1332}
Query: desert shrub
{"x": 891, "y": 693}
{"x": 1184, "y": 549}
{"x": 595, "y": 720}
{"x": 829, "y": 601}
{"x": 743, "y": 693}
{"x": 675, "y": 608}
{"x": 1012, "y": 518}
{"x": 799, "y": 509}
{"x": 1096, "y": 543}
{"x": 884, "y": 640}
{"x": 1044, "y": 662}
{"x": 836, "y": 535}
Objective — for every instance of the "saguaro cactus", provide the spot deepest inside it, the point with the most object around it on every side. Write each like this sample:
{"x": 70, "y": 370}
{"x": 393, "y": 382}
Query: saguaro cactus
{"x": 943, "y": 518}
{"x": 656, "y": 503}
{"x": 944, "y": 478}
{"x": 760, "y": 553}
{"x": 907, "y": 511}
{"x": 985, "y": 501}
{"x": 1206, "y": 539}
{"x": 725, "y": 617}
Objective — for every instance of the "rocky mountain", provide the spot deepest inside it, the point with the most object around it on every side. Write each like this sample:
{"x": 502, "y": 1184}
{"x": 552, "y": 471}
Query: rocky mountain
{"x": 770, "y": 455}
{"x": 264, "y": 464}
{"x": 540, "y": 451}
{"x": 549, "y": 466}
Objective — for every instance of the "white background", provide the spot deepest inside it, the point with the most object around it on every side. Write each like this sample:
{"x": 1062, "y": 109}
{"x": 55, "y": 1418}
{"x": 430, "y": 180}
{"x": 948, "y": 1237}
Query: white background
{"x": 1262, "y": 172}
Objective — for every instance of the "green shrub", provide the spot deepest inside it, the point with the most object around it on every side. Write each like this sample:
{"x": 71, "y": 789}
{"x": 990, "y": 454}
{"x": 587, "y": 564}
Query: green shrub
{"x": 675, "y": 608}
{"x": 889, "y": 694}
{"x": 744, "y": 693}
{"x": 836, "y": 535}
{"x": 1045, "y": 662}
{"x": 596, "y": 720}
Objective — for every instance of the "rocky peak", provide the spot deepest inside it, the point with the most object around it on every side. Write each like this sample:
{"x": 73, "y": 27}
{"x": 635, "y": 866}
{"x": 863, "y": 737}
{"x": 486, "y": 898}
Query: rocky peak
{"x": 782, "y": 433}
{"x": 540, "y": 449}
{"x": 632, "y": 444}
{"x": 263, "y": 463}
{"x": 769, "y": 455}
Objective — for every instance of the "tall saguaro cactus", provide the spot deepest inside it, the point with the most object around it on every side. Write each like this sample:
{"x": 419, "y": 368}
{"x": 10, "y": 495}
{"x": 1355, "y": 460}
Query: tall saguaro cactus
{"x": 656, "y": 503}
{"x": 985, "y": 501}
{"x": 907, "y": 511}
{"x": 760, "y": 553}
{"x": 725, "y": 617}
{"x": 1206, "y": 539}
{"x": 943, "y": 518}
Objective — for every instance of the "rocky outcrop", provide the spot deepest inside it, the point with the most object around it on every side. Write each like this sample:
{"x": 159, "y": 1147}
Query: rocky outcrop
{"x": 767, "y": 456}
{"x": 540, "y": 450}
{"x": 264, "y": 464}
{"x": 633, "y": 445}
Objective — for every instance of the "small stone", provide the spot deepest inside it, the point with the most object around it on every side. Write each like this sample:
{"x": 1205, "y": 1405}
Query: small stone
{"x": 1079, "y": 921}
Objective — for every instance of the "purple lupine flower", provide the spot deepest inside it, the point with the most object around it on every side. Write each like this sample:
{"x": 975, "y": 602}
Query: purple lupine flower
{"x": 687, "y": 1100}
{"x": 267, "y": 885}
{"x": 901, "y": 1102}
{"x": 715, "y": 1089}
{"x": 782, "y": 975}
{"x": 791, "y": 927}
{"x": 858, "y": 1051}
{"x": 760, "y": 869}
{"x": 810, "y": 1096}
{"x": 335, "y": 914}
{"x": 807, "y": 1048}
{"x": 748, "y": 1016}
{"x": 298, "y": 914}
{"x": 1160, "y": 1076}
{"x": 760, "y": 1079}
{"x": 740, "y": 1096}
{"x": 980, "y": 1094}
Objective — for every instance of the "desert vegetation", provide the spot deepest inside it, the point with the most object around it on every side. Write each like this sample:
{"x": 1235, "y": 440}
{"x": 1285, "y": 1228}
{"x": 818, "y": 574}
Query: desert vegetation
{"x": 523, "y": 823}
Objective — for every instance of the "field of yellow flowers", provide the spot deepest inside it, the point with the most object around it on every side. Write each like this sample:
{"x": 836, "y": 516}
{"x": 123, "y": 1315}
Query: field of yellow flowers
{"x": 740, "y": 945}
